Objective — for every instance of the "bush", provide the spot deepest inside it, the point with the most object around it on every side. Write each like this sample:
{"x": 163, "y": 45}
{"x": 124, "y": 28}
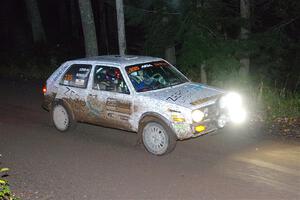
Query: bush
{"x": 5, "y": 192}
{"x": 281, "y": 103}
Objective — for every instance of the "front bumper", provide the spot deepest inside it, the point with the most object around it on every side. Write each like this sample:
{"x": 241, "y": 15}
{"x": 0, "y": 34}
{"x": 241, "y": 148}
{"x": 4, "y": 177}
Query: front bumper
{"x": 185, "y": 130}
{"x": 214, "y": 118}
{"x": 209, "y": 125}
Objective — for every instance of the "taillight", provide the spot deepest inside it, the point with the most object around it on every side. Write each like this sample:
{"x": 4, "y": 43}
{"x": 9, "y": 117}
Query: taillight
{"x": 44, "y": 89}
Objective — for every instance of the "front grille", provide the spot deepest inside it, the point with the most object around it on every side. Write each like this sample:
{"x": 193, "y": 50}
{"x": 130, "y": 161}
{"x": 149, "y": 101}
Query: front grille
{"x": 210, "y": 112}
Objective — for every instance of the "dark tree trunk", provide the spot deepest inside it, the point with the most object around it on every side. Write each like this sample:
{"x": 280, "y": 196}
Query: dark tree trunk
{"x": 121, "y": 27}
{"x": 88, "y": 26}
{"x": 103, "y": 27}
{"x": 35, "y": 21}
{"x": 64, "y": 20}
{"x": 75, "y": 23}
{"x": 245, "y": 30}
{"x": 170, "y": 54}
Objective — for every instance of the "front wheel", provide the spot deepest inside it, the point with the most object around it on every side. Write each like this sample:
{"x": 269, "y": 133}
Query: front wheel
{"x": 157, "y": 137}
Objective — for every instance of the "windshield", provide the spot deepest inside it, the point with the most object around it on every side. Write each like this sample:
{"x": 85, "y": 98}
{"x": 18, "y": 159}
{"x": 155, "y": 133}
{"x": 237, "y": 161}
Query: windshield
{"x": 154, "y": 75}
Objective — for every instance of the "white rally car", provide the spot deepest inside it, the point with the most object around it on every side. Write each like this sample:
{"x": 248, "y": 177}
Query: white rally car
{"x": 142, "y": 94}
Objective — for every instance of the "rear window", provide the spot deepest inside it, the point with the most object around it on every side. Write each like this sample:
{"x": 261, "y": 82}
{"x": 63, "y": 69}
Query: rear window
{"x": 77, "y": 76}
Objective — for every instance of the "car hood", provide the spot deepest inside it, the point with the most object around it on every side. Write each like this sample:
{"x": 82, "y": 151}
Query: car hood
{"x": 190, "y": 95}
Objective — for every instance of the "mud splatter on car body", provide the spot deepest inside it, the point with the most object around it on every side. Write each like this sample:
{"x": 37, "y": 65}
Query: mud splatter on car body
{"x": 48, "y": 99}
{"x": 123, "y": 107}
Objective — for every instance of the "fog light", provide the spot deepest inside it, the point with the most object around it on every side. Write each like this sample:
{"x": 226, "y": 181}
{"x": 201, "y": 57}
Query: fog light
{"x": 200, "y": 128}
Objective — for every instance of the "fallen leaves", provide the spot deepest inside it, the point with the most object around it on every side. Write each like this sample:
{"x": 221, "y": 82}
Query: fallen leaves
{"x": 286, "y": 126}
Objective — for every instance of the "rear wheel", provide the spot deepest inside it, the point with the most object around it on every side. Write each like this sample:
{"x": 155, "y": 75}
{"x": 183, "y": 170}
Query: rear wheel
{"x": 62, "y": 118}
{"x": 157, "y": 137}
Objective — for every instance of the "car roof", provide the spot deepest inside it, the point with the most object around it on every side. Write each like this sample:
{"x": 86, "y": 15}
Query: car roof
{"x": 120, "y": 60}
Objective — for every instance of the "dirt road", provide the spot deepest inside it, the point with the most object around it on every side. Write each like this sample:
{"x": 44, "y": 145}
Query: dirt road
{"x": 100, "y": 163}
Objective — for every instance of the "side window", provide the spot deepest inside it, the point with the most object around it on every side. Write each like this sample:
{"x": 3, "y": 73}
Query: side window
{"x": 109, "y": 79}
{"x": 77, "y": 76}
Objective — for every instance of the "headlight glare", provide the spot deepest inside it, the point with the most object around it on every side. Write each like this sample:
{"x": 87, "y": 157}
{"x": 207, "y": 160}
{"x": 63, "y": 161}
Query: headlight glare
{"x": 238, "y": 115}
{"x": 234, "y": 100}
{"x": 231, "y": 100}
{"x": 222, "y": 102}
{"x": 197, "y": 115}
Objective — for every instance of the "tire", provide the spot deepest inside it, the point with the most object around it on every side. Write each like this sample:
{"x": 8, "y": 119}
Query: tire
{"x": 62, "y": 117}
{"x": 157, "y": 137}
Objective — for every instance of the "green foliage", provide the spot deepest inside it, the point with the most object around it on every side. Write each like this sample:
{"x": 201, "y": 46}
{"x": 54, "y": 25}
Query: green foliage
{"x": 205, "y": 43}
{"x": 5, "y": 192}
{"x": 159, "y": 21}
{"x": 38, "y": 63}
{"x": 264, "y": 102}
{"x": 26, "y": 68}
{"x": 281, "y": 103}
{"x": 206, "y": 33}
{"x": 222, "y": 68}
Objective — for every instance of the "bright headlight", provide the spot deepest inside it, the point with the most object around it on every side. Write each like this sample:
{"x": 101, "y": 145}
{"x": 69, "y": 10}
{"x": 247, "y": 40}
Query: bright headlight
{"x": 197, "y": 115}
{"x": 234, "y": 100}
{"x": 231, "y": 101}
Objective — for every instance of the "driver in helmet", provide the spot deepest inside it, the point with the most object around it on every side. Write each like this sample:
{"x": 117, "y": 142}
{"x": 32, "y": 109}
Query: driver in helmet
{"x": 139, "y": 79}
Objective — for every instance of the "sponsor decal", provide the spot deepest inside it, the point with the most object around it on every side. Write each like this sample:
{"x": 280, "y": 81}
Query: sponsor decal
{"x": 133, "y": 69}
{"x": 174, "y": 97}
{"x": 118, "y": 106}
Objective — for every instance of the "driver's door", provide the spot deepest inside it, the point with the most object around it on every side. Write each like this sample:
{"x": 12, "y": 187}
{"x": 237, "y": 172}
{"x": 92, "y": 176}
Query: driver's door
{"x": 109, "y": 99}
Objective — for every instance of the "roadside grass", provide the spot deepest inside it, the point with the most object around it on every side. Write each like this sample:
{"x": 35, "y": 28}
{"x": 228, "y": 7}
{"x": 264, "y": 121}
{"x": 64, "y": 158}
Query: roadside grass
{"x": 282, "y": 110}
{"x": 5, "y": 191}
{"x": 277, "y": 110}
{"x": 281, "y": 103}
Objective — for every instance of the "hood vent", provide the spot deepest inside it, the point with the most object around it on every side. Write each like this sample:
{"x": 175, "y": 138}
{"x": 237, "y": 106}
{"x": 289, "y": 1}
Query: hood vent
{"x": 201, "y": 101}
